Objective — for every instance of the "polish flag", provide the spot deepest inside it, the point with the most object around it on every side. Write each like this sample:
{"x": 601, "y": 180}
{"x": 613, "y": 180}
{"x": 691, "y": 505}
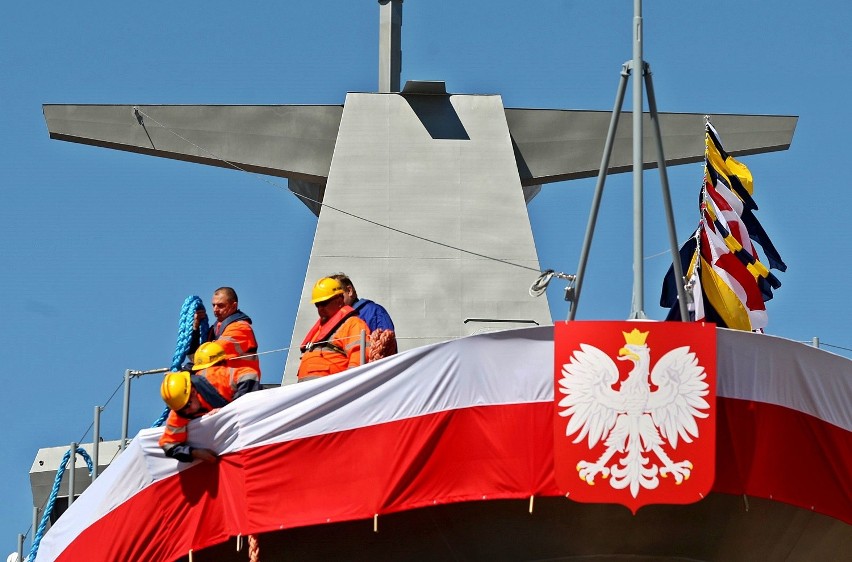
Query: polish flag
{"x": 470, "y": 419}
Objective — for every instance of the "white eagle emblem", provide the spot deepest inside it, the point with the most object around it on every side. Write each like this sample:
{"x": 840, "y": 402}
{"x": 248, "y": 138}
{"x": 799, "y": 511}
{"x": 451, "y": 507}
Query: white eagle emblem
{"x": 633, "y": 421}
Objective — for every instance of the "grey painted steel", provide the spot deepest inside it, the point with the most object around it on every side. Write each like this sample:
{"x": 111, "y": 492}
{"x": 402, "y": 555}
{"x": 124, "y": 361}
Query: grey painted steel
{"x": 125, "y": 409}
{"x": 46, "y": 463}
{"x": 392, "y": 161}
{"x": 71, "y": 465}
{"x": 637, "y": 307}
{"x": 311, "y": 194}
{"x": 677, "y": 269}
{"x": 390, "y": 45}
{"x": 292, "y": 141}
{"x": 557, "y": 145}
{"x": 637, "y": 311}
{"x": 34, "y": 527}
{"x": 297, "y": 142}
{"x": 599, "y": 187}
{"x": 441, "y": 168}
{"x": 20, "y": 548}
{"x": 96, "y": 441}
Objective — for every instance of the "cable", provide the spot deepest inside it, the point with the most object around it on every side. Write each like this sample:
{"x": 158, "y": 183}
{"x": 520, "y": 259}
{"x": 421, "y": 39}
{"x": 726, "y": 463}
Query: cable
{"x": 834, "y": 346}
{"x": 139, "y": 112}
{"x": 111, "y": 396}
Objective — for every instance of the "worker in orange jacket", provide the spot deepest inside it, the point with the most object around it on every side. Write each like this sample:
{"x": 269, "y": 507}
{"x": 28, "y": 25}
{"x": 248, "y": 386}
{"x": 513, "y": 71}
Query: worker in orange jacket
{"x": 189, "y": 396}
{"x": 232, "y": 330}
{"x": 333, "y": 344}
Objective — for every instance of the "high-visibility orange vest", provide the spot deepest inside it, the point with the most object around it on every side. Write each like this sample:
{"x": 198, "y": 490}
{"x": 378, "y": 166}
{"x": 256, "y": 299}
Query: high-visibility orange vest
{"x": 236, "y": 337}
{"x": 334, "y": 346}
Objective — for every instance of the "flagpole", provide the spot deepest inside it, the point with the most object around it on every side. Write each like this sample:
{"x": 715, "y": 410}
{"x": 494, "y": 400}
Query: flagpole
{"x": 640, "y": 70}
{"x": 637, "y": 309}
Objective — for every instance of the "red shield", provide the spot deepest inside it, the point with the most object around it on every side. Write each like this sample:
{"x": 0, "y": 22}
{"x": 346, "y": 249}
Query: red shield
{"x": 635, "y": 411}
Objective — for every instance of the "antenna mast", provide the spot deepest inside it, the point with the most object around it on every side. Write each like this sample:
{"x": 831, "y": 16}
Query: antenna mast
{"x": 644, "y": 70}
{"x": 390, "y": 45}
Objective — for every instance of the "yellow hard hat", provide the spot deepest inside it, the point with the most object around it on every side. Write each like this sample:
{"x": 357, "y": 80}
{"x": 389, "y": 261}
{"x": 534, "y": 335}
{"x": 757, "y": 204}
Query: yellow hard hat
{"x": 325, "y": 289}
{"x": 175, "y": 389}
{"x": 208, "y": 354}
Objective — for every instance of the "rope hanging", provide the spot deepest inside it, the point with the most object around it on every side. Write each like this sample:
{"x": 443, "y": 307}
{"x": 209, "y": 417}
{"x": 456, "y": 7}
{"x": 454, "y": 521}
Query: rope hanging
{"x": 191, "y": 305}
{"x": 48, "y": 508}
{"x": 254, "y": 548}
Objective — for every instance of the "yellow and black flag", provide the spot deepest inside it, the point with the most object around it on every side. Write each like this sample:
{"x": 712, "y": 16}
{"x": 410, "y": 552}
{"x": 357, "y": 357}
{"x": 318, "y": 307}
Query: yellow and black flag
{"x": 726, "y": 281}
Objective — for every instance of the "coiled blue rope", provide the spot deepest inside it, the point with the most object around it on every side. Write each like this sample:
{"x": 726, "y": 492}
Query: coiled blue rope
{"x": 42, "y": 526}
{"x": 192, "y": 304}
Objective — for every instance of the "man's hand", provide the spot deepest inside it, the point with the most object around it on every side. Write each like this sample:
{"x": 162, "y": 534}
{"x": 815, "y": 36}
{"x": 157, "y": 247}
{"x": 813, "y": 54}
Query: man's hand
{"x": 205, "y": 455}
{"x": 200, "y": 315}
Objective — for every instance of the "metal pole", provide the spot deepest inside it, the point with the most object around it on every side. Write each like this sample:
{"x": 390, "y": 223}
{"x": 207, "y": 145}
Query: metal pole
{"x": 816, "y": 342}
{"x": 72, "y": 465}
{"x": 125, "y": 411}
{"x": 20, "y": 547}
{"x": 96, "y": 442}
{"x": 390, "y": 45}
{"x": 677, "y": 269}
{"x": 363, "y": 347}
{"x": 599, "y": 186}
{"x": 35, "y": 524}
{"x": 638, "y": 305}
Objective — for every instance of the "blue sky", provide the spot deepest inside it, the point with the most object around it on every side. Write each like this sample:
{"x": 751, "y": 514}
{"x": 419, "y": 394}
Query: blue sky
{"x": 100, "y": 248}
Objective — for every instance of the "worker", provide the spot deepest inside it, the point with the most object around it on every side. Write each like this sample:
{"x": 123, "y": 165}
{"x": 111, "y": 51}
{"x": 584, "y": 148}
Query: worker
{"x": 232, "y": 330}
{"x": 191, "y": 395}
{"x": 382, "y": 334}
{"x": 333, "y": 344}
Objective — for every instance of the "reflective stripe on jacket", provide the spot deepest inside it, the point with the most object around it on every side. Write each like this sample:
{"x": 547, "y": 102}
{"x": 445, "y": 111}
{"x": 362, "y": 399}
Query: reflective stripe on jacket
{"x": 236, "y": 337}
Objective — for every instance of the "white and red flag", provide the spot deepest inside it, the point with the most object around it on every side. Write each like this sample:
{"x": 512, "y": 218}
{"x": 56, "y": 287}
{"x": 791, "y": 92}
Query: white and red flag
{"x": 471, "y": 419}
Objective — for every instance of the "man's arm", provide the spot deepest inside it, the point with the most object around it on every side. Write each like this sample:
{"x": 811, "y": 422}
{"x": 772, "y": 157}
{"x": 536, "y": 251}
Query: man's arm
{"x": 247, "y": 383}
{"x": 184, "y": 453}
{"x": 196, "y": 338}
{"x": 174, "y": 441}
{"x": 376, "y": 316}
{"x": 349, "y": 338}
{"x": 383, "y": 319}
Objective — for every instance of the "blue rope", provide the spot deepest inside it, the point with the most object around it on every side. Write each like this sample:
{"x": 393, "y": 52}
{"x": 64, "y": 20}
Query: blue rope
{"x": 45, "y": 517}
{"x": 162, "y": 419}
{"x": 187, "y": 317}
{"x": 192, "y": 304}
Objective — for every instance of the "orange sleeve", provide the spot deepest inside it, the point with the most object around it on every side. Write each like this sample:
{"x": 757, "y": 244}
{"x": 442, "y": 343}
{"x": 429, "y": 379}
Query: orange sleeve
{"x": 350, "y": 339}
{"x": 175, "y": 431}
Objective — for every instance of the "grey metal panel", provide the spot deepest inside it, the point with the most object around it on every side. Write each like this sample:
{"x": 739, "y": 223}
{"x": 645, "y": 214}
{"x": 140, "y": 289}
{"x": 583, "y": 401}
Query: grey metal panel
{"x": 530, "y": 191}
{"x": 441, "y": 168}
{"x": 556, "y": 145}
{"x": 390, "y": 45}
{"x": 292, "y": 141}
{"x": 311, "y": 194}
{"x": 46, "y": 463}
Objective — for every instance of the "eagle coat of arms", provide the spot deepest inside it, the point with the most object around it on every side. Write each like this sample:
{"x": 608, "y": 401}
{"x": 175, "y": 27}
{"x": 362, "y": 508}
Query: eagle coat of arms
{"x": 642, "y": 430}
